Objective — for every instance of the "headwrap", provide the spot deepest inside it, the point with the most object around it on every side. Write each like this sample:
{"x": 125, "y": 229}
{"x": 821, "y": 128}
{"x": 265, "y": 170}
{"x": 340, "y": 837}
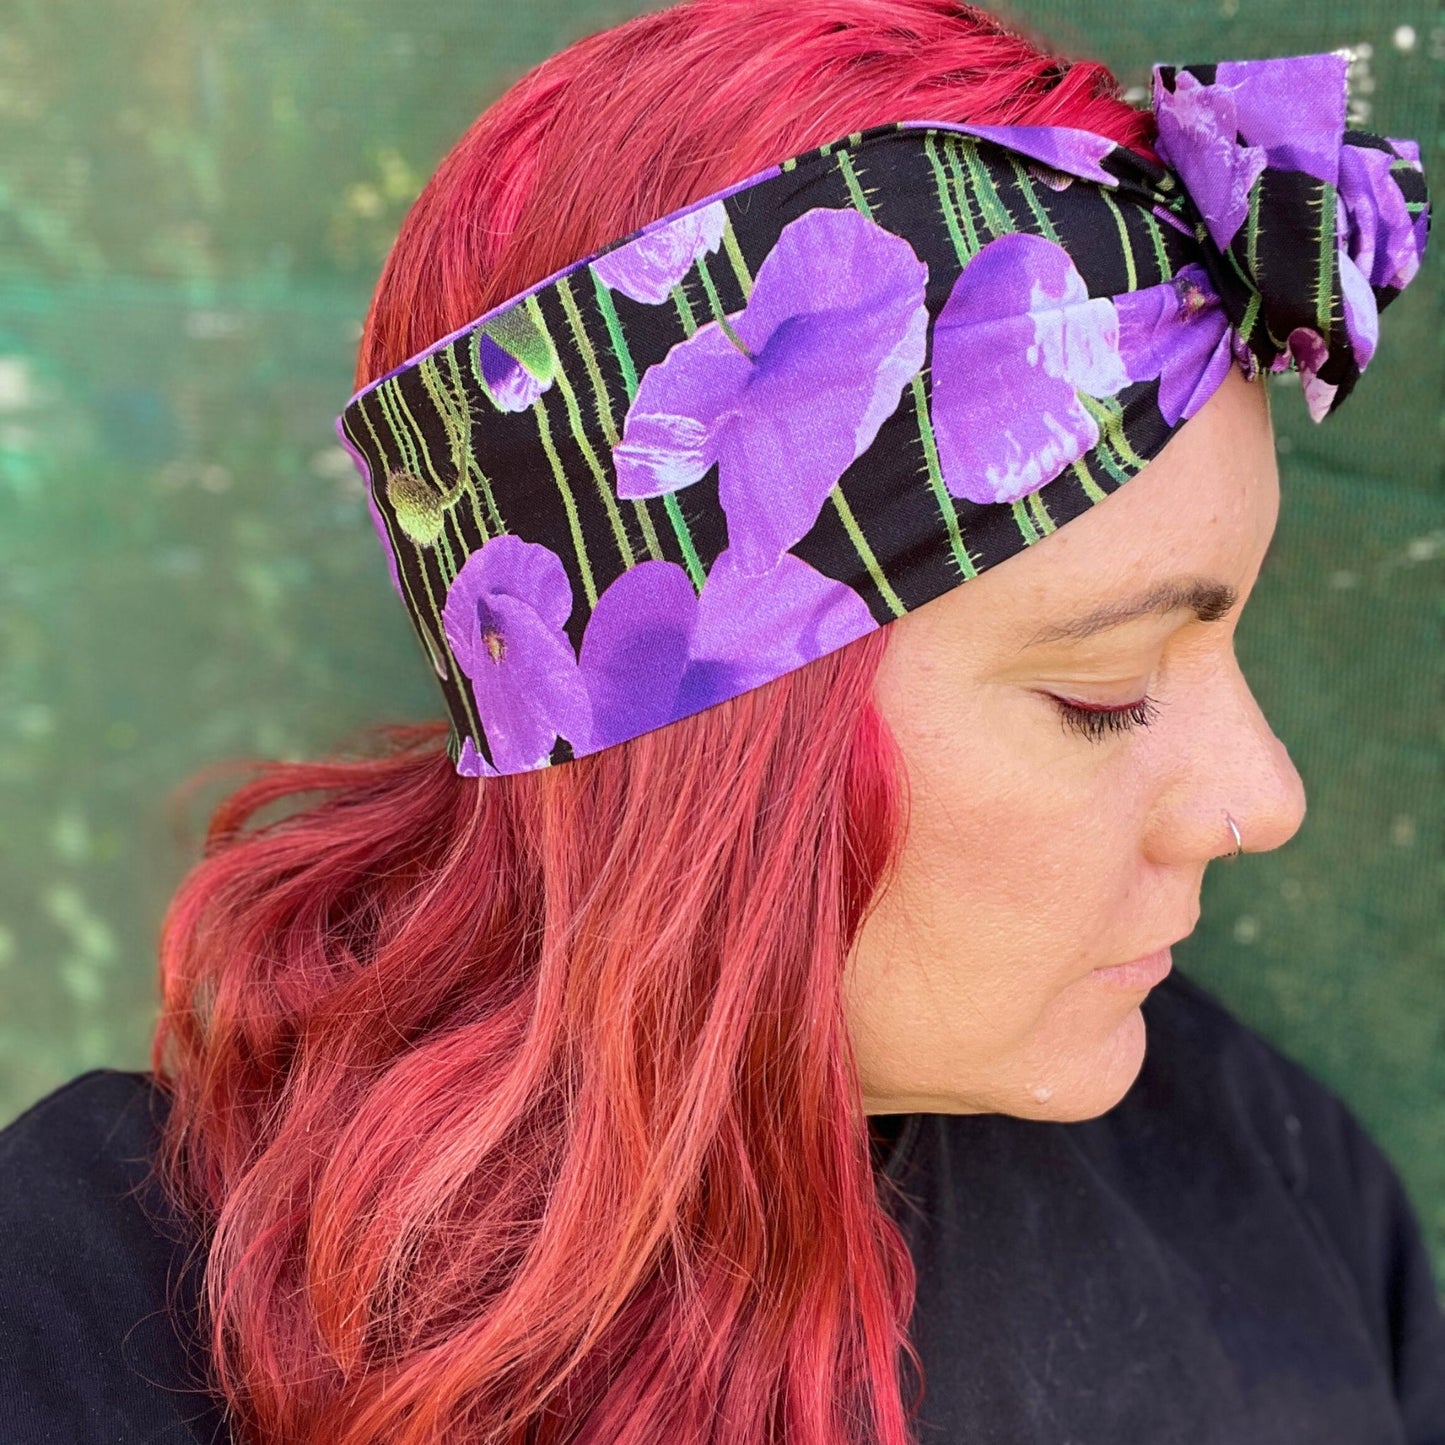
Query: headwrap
{"x": 760, "y": 427}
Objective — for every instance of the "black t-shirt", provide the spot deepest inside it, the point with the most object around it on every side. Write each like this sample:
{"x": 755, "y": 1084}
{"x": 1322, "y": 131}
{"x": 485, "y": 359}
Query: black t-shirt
{"x": 1224, "y": 1258}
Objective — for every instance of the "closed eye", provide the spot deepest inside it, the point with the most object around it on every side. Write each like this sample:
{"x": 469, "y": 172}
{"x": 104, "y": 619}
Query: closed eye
{"x": 1097, "y": 723}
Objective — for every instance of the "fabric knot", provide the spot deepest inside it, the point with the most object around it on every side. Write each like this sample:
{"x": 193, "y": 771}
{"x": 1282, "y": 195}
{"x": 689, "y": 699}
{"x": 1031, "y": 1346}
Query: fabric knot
{"x": 1307, "y": 230}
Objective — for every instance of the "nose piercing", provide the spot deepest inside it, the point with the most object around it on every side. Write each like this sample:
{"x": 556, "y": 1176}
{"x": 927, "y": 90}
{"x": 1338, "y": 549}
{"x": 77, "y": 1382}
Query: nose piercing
{"x": 1233, "y": 829}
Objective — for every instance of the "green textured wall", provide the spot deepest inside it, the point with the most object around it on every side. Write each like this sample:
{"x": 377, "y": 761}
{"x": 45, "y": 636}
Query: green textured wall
{"x": 195, "y": 199}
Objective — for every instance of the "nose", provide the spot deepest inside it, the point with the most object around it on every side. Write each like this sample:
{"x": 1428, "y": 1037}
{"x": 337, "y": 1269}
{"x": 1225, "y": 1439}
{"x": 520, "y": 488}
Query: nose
{"x": 1227, "y": 760}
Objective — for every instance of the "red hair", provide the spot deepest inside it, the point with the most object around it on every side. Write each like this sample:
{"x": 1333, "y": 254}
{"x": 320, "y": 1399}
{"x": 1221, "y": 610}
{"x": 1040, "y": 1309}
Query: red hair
{"x": 523, "y": 1110}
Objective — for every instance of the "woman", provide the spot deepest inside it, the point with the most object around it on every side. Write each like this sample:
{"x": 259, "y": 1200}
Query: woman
{"x": 533, "y": 1109}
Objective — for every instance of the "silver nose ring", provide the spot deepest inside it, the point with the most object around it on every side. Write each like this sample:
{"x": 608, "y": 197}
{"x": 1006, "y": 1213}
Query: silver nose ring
{"x": 1237, "y": 843}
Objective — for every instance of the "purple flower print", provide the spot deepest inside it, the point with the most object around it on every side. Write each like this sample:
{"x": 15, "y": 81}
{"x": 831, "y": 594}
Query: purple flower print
{"x": 1305, "y": 134}
{"x": 1017, "y": 340}
{"x": 1362, "y": 313}
{"x": 1218, "y": 137}
{"x": 1197, "y": 139}
{"x": 785, "y": 395}
{"x": 1372, "y": 225}
{"x": 1379, "y": 243}
{"x": 654, "y": 651}
{"x": 648, "y": 268}
{"x": 1054, "y": 180}
{"x": 471, "y": 764}
{"x": 515, "y": 359}
{"x": 1076, "y": 152}
{"x": 1178, "y": 332}
{"x": 1310, "y": 352}
{"x": 503, "y": 618}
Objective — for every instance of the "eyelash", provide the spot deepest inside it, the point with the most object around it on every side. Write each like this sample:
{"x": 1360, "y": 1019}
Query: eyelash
{"x": 1095, "y": 723}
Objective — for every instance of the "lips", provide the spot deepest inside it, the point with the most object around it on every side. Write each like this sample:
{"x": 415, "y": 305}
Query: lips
{"x": 1159, "y": 948}
{"x": 1139, "y": 973}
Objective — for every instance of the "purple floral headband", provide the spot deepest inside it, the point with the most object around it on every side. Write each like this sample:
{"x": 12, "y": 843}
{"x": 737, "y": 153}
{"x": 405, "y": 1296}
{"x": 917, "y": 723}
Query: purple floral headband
{"x": 768, "y": 423}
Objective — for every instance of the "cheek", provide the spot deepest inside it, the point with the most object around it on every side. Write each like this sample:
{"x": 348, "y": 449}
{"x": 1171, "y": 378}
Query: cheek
{"x": 1009, "y": 853}
{"x": 1021, "y": 854}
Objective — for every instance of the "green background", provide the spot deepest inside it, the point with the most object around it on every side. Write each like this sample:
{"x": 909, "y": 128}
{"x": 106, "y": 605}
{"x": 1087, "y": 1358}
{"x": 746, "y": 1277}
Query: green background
{"x": 195, "y": 201}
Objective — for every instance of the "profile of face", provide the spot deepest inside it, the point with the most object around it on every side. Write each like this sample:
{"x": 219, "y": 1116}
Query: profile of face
{"x": 1037, "y": 852}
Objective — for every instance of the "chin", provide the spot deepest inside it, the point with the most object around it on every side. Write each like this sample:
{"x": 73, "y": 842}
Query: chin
{"x": 1085, "y": 1084}
{"x": 1060, "y": 1083}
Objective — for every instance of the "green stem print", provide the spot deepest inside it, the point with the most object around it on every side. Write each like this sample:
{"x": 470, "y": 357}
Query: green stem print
{"x": 406, "y": 425}
{"x": 962, "y": 557}
{"x": 1124, "y": 245}
{"x": 959, "y": 189}
{"x": 438, "y": 655}
{"x": 1325, "y": 292}
{"x": 737, "y": 260}
{"x": 684, "y": 309}
{"x": 419, "y": 509}
{"x": 865, "y": 552}
{"x": 605, "y": 488}
{"x": 1107, "y": 416}
{"x": 1156, "y": 237}
{"x": 715, "y": 302}
{"x": 855, "y": 190}
{"x": 1042, "y": 520}
{"x": 569, "y": 502}
{"x": 1108, "y": 411}
{"x": 398, "y": 434}
{"x": 455, "y": 415}
{"x": 449, "y": 396}
{"x": 602, "y": 404}
{"x": 629, "y": 377}
{"x": 1031, "y": 197}
{"x": 1024, "y": 523}
{"x": 484, "y": 482}
{"x": 1251, "y": 315}
{"x": 1201, "y": 232}
{"x": 990, "y": 204}
{"x": 946, "y": 203}
{"x": 455, "y": 411}
{"x": 1091, "y": 489}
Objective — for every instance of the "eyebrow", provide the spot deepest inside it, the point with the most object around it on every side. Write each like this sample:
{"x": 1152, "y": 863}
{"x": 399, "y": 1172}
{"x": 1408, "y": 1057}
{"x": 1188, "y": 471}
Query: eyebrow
{"x": 1210, "y": 600}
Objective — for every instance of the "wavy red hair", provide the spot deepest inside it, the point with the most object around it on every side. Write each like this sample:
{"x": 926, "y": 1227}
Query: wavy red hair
{"x": 524, "y": 1109}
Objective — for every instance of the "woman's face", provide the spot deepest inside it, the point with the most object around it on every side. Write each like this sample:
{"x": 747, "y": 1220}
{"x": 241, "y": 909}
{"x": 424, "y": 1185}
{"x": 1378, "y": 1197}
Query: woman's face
{"x": 1036, "y": 854}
